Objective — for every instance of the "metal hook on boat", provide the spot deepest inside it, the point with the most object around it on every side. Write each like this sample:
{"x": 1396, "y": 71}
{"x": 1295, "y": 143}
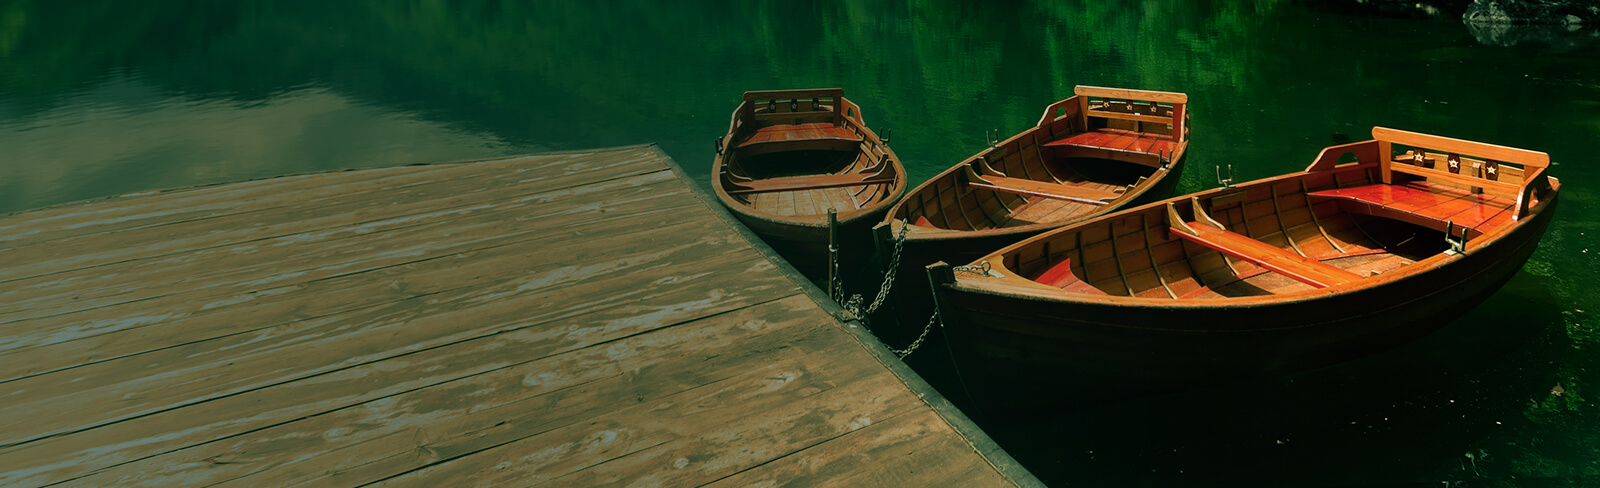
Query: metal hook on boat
{"x": 1225, "y": 182}
{"x": 994, "y": 142}
{"x": 887, "y": 132}
{"x": 717, "y": 145}
{"x": 1166, "y": 158}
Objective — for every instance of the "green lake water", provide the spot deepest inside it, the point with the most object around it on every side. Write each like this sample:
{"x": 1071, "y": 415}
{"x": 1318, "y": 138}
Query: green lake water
{"x": 105, "y": 97}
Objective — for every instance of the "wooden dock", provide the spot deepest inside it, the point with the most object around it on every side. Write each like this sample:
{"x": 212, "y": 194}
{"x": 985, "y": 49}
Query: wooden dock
{"x": 575, "y": 319}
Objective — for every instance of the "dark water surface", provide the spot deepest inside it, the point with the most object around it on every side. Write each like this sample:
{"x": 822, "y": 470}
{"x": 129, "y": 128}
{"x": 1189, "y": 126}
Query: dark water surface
{"x": 102, "y": 97}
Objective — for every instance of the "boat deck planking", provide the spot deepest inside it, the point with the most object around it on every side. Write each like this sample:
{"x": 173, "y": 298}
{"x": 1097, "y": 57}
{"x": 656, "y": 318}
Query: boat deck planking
{"x": 580, "y": 319}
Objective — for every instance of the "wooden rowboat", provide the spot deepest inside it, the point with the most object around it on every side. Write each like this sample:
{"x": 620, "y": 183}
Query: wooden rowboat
{"x": 791, "y": 155}
{"x": 1264, "y": 278}
{"x": 1098, "y": 151}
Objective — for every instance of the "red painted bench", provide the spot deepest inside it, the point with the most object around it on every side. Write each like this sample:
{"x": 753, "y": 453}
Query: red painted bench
{"x": 1122, "y": 141}
{"x": 1426, "y": 204}
{"x": 800, "y": 132}
{"x": 1134, "y": 146}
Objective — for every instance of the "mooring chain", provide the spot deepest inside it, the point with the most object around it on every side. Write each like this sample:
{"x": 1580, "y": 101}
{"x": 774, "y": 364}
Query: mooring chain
{"x": 894, "y": 265}
{"x": 835, "y": 284}
{"x": 853, "y": 304}
{"x": 907, "y": 351}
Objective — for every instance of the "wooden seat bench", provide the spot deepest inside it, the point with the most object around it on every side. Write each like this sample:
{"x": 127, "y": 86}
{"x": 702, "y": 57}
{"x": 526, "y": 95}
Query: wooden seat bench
{"x": 1463, "y": 182}
{"x": 800, "y": 132}
{"x": 810, "y": 182}
{"x": 1105, "y": 117}
{"x": 1209, "y": 233}
{"x": 1120, "y": 140}
{"x": 1024, "y": 186}
{"x": 1421, "y": 203}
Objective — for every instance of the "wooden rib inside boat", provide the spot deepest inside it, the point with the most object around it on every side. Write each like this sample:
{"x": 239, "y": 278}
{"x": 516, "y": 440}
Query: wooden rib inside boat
{"x": 1267, "y": 277}
{"x": 791, "y": 155}
{"x": 1101, "y": 150}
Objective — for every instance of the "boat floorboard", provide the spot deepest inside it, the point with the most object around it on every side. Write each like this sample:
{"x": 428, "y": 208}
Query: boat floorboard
{"x": 576, "y": 319}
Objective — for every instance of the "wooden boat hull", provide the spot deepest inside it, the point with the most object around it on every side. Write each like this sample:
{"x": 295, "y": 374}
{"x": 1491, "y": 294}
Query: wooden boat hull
{"x": 913, "y": 300}
{"x": 806, "y": 246}
{"x": 791, "y": 155}
{"x": 1002, "y": 342}
{"x": 1051, "y": 324}
{"x": 1097, "y": 140}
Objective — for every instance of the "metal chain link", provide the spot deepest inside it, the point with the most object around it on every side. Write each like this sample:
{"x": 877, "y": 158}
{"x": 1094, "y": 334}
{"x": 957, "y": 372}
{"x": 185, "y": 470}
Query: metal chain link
{"x": 907, "y": 351}
{"x": 894, "y": 266}
{"x": 982, "y": 268}
{"x": 835, "y": 284}
{"x": 853, "y": 304}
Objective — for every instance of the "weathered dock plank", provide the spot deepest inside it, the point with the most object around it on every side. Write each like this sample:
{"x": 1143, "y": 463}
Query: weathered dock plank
{"x": 571, "y": 319}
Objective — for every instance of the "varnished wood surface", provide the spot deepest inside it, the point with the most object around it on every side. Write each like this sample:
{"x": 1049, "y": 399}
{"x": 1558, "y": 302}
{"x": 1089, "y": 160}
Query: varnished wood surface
{"x": 799, "y": 132}
{"x": 1144, "y": 297}
{"x": 1120, "y": 140}
{"x": 574, "y": 319}
{"x": 1154, "y": 96}
{"x": 1058, "y": 191}
{"x": 1328, "y": 226}
{"x": 1301, "y": 268}
{"x": 1422, "y": 203}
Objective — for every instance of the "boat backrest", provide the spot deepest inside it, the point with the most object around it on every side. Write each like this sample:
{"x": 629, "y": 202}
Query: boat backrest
{"x": 1138, "y": 106}
{"x": 820, "y": 104}
{"x": 1502, "y": 170}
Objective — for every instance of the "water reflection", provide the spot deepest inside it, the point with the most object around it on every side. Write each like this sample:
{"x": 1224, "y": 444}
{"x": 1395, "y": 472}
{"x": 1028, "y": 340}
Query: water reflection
{"x": 125, "y": 136}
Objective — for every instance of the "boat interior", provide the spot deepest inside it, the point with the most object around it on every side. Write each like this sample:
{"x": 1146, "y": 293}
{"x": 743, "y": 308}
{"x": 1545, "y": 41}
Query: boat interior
{"x": 1337, "y": 223}
{"x": 796, "y": 153}
{"x": 1087, "y": 154}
